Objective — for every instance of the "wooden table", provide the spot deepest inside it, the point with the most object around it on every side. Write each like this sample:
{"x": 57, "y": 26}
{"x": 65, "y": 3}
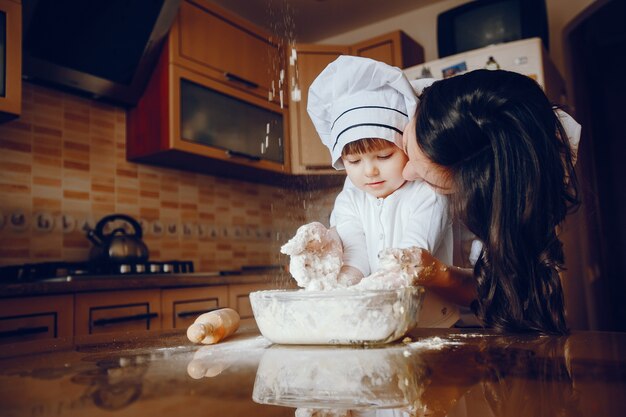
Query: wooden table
{"x": 435, "y": 373}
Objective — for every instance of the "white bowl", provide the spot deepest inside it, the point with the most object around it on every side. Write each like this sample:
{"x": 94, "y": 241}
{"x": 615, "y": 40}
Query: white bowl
{"x": 343, "y": 316}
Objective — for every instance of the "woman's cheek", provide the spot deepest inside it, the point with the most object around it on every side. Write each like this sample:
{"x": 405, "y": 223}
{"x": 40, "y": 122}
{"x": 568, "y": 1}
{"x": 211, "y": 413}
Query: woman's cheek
{"x": 409, "y": 173}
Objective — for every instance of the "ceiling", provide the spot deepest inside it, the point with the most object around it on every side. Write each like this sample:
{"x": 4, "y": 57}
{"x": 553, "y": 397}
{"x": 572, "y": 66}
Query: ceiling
{"x": 308, "y": 21}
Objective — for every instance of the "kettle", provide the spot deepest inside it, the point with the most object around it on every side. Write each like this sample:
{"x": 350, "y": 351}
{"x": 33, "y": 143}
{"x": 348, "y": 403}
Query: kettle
{"x": 117, "y": 246}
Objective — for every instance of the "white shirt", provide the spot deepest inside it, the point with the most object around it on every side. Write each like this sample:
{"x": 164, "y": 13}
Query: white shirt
{"x": 413, "y": 215}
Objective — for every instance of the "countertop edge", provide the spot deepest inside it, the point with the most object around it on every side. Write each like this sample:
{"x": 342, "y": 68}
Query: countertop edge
{"x": 163, "y": 281}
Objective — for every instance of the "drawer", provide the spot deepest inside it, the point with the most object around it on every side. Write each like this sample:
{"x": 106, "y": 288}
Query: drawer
{"x": 239, "y": 299}
{"x": 181, "y": 306}
{"x": 129, "y": 312}
{"x": 34, "y": 324}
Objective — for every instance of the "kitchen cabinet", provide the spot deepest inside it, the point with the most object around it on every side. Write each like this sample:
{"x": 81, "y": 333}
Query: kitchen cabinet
{"x": 239, "y": 299}
{"x": 214, "y": 42}
{"x": 395, "y": 48}
{"x": 98, "y": 314}
{"x": 36, "y": 323}
{"x": 181, "y": 306}
{"x": 206, "y": 106}
{"x": 308, "y": 154}
{"x": 10, "y": 59}
{"x": 31, "y": 324}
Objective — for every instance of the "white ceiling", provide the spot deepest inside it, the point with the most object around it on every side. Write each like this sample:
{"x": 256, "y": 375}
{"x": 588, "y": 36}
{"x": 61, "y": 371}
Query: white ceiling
{"x": 308, "y": 21}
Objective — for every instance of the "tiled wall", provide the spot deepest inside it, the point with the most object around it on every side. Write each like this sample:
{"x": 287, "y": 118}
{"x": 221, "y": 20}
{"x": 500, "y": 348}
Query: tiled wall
{"x": 63, "y": 166}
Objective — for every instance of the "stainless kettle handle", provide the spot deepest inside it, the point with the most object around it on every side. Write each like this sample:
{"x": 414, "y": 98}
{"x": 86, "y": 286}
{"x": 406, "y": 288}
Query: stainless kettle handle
{"x": 99, "y": 231}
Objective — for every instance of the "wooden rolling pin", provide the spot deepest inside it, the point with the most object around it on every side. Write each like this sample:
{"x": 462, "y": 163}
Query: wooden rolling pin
{"x": 211, "y": 327}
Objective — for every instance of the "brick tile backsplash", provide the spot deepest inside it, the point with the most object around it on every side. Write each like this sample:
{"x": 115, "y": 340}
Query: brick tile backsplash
{"x": 63, "y": 167}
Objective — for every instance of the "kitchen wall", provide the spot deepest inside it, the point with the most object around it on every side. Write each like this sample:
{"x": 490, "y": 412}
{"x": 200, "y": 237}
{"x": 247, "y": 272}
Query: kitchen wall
{"x": 63, "y": 167}
{"x": 421, "y": 25}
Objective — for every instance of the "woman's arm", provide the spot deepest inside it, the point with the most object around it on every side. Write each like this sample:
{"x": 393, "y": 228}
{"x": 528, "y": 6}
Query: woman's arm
{"x": 450, "y": 282}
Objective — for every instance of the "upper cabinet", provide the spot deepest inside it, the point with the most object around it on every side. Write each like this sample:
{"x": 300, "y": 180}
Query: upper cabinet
{"x": 213, "y": 103}
{"x": 10, "y": 59}
{"x": 208, "y": 40}
{"x": 225, "y": 100}
{"x": 395, "y": 48}
{"x": 308, "y": 154}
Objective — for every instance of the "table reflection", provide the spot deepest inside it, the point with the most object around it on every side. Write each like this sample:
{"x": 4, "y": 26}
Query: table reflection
{"x": 491, "y": 376}
{"x": 339, "y": 378}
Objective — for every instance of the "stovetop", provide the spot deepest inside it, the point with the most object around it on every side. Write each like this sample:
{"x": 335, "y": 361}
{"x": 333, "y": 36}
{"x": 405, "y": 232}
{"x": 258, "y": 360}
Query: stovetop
{"x": 49, "y": 270}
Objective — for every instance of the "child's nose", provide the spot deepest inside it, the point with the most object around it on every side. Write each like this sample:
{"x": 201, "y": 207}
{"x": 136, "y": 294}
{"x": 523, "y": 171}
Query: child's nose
{"x": 371, "y": 170}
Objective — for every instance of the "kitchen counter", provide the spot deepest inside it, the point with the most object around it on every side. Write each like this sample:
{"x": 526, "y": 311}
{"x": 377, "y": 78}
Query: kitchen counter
{"x": 78, "y": 284}
{"x": 434, "y": 373}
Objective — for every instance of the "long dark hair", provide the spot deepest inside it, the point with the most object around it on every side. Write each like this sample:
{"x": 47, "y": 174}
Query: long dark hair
{"x": 499, "y": 139}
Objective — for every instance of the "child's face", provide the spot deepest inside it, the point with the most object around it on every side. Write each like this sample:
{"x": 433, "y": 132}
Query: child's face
{"x": 420, "y": 167}
{"x": 379, "y": 172}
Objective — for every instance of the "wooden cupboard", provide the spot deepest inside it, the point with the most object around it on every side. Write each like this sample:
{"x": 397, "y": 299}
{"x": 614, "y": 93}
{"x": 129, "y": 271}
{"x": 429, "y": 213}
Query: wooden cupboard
{"x": 181, "y": 306}
{"x": 47, "y": 322}
{"x": 206, "y": 107}
{"x": 98, "y": 314}
{"x": 308, "y": 154}
{"x": 11, "y": 59}
{"x": 30, "y": 324}
{"x": 239, "y": 299}
{"x": 214, "y": 42}
{"x": 395, "y": 48}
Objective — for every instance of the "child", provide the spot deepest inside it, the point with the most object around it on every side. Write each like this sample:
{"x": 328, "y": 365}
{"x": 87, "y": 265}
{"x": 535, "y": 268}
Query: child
{"x": 360, "y": 108}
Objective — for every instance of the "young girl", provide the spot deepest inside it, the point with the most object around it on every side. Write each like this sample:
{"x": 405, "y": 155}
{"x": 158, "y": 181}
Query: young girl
{"x": 493, "y": 141}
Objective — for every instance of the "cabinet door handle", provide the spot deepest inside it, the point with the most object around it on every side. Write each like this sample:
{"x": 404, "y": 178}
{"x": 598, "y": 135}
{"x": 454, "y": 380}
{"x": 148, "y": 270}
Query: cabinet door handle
{"x": 122, "y": 319}
{"x": 184, "y": 314}
{"x": 24, "y": 331}
{"x": 235, "y": 154}
{"x": 237, "y": 79}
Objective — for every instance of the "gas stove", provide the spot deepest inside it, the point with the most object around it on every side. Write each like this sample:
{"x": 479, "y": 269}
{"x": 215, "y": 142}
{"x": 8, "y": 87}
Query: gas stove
{"x": 50, "y": 270}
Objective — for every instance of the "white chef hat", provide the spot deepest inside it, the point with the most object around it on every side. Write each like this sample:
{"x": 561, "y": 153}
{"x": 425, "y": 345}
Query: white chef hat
{"x": 356, "y": 98}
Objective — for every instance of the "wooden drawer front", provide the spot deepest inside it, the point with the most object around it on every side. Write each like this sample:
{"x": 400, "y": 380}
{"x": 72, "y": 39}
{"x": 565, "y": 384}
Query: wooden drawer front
{"x": 123, "y": 318}
{"x": 28, "y": 327}
{"x": 239, "y": 298}
{"x": 35, "y": 324}
{"x": 227, "y": 49}
{"x": 181, "y": 306}
{"x": 123, "y": 311}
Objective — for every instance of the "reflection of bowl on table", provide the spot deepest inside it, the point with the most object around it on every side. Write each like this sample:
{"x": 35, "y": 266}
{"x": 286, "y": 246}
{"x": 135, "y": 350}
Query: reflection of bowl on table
{"x": 344, "y": 316}
{"x": 338, "y": 377}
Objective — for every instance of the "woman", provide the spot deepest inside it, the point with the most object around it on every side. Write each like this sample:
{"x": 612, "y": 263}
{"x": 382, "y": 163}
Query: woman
{"x": 492, "y": 140}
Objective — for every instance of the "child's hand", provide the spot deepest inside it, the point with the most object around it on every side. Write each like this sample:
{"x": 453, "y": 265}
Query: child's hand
{"x": 315, "y": 256}
{"x": 312, "y": 237}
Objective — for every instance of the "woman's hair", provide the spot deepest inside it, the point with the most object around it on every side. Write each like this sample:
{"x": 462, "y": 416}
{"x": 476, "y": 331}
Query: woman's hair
{"x": 499, "y": 139}
{"x": 365, "y": 145}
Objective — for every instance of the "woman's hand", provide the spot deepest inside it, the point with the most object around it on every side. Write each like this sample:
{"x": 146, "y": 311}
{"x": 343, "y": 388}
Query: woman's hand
{"x": 450, "y": 282}
{"x": 417, "y": 266}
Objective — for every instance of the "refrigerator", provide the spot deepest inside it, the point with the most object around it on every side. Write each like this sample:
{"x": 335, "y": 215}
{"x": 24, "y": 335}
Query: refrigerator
{"x": 527, "y": 56}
